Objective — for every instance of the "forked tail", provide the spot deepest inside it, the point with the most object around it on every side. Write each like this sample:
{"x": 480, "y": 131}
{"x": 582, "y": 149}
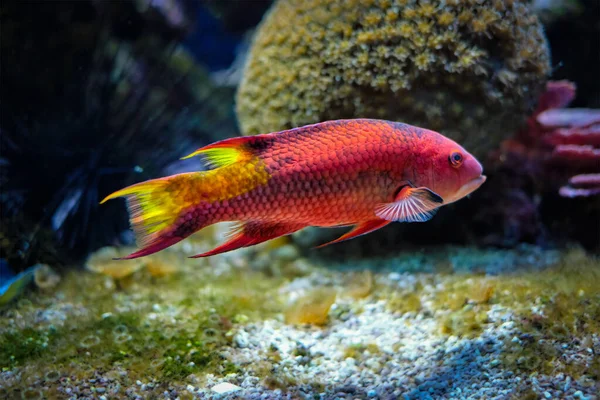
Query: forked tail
{"x": 157, "y": 207}
{"x": 154, "y": 209}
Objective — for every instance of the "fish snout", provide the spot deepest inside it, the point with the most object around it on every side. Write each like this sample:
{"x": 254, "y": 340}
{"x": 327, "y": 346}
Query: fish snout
{"x": 471, "y": 178}
{"x": 468, "y": 188}
{"x": 472, "y": 169}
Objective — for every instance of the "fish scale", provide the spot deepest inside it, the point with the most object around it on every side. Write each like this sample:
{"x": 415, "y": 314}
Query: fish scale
{"x": 362, "y": 172}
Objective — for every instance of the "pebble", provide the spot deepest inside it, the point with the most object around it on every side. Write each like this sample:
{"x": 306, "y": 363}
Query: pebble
{"x": 241, "y": 339}
{"x": 225, "y": 387}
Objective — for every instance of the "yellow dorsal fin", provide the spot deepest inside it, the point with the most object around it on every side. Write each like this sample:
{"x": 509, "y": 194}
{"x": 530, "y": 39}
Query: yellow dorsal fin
{"x": 226, "y": 152}
{"x": 217, "y": 158}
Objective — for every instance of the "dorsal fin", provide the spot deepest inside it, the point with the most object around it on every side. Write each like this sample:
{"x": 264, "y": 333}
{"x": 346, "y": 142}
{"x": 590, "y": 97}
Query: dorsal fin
{"x": 229, "y": 151}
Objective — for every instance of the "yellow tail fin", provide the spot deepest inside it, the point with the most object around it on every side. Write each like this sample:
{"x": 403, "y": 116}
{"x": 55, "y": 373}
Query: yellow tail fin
{"x": 154, "y": 207}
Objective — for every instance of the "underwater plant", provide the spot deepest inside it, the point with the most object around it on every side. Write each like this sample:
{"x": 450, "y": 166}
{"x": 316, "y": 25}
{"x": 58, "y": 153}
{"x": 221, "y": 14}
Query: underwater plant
{"x": 129, "y": 101}
{"x": 471, "y": 70}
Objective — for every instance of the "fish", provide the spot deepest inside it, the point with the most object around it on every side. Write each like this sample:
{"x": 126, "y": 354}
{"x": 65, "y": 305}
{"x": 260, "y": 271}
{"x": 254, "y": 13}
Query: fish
{"x": 11, "y": 285}
{"x": 363, "y": 173}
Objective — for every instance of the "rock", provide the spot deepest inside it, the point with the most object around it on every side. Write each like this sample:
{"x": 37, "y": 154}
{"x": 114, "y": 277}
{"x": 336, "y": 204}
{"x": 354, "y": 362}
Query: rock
{"x": 225, "y": 387}
{"x": 241, "y": 339}
{"x": 45, "y": 278}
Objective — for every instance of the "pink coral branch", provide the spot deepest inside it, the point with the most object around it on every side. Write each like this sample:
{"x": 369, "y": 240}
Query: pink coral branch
{"x": 576, "y": 153}
{"x": 567, "y": 191}
{"x": 582, "y": 185}
{"x": 580, "y": 136}
{"x": 585, "y": 180}
{"x": 558, "y": 94}
{"x": 573, "y": 134}
{"x": 568, "y": 117}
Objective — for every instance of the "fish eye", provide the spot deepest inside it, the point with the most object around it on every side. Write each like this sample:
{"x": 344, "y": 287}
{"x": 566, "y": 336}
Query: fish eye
{"x": 456, "y": 159}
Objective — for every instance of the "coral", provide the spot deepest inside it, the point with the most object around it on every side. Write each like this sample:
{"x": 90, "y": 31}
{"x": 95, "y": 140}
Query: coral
{"x": 532, "y": 178}
{"x": 575, "y": 133}
{"x": 471, "y": 70}
{"x": 563, "y": 141}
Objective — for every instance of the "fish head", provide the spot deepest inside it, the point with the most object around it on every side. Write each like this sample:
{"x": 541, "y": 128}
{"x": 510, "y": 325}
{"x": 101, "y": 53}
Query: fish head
{"x": 454, "y": 172}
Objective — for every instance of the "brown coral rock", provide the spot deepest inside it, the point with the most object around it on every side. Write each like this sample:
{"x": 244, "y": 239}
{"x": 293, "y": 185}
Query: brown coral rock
{"x": 470, "y": 69}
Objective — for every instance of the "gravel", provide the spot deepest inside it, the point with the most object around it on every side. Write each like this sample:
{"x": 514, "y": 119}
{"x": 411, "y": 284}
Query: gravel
{"x": 413, "y": 361}
{"x": 365, "y": 351}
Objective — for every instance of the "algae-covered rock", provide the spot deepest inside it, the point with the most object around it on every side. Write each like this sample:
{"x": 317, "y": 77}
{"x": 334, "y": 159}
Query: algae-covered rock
{"x": 45, "y": 277}
{"x": 468, "y": 69}
{"x": 312, "y": 308}
{"x": 105, "y": 261}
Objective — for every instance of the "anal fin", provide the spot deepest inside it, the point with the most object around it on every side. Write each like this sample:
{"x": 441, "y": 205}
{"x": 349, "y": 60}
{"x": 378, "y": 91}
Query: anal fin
{"x": 358, "y": 230}
{"x": 251, "y": 233}
{"x": 159, "y": 245}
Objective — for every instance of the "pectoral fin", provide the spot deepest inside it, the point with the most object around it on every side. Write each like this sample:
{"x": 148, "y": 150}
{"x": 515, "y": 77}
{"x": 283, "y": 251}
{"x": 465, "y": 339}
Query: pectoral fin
{"x": 411, "y": 205}
{"x": 251, "y": 233}
{"x": 359, "y": 230}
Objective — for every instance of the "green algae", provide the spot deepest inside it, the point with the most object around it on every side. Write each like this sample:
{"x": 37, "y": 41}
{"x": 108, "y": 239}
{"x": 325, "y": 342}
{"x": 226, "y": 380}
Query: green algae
{"x": 171, "y": 330}
{"x": 19, "y": 346}
{"x": 157, "y": 329}
{"x": 551, "y": 307}
{"x": 567, "y": 309}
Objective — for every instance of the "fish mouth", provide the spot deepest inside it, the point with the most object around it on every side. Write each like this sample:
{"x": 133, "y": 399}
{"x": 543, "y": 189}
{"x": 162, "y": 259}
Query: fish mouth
{"x": 468, "y": 188}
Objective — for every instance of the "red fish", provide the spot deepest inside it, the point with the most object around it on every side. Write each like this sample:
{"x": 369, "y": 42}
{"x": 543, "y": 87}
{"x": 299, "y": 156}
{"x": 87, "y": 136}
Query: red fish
{"x": 362, "y": 172}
